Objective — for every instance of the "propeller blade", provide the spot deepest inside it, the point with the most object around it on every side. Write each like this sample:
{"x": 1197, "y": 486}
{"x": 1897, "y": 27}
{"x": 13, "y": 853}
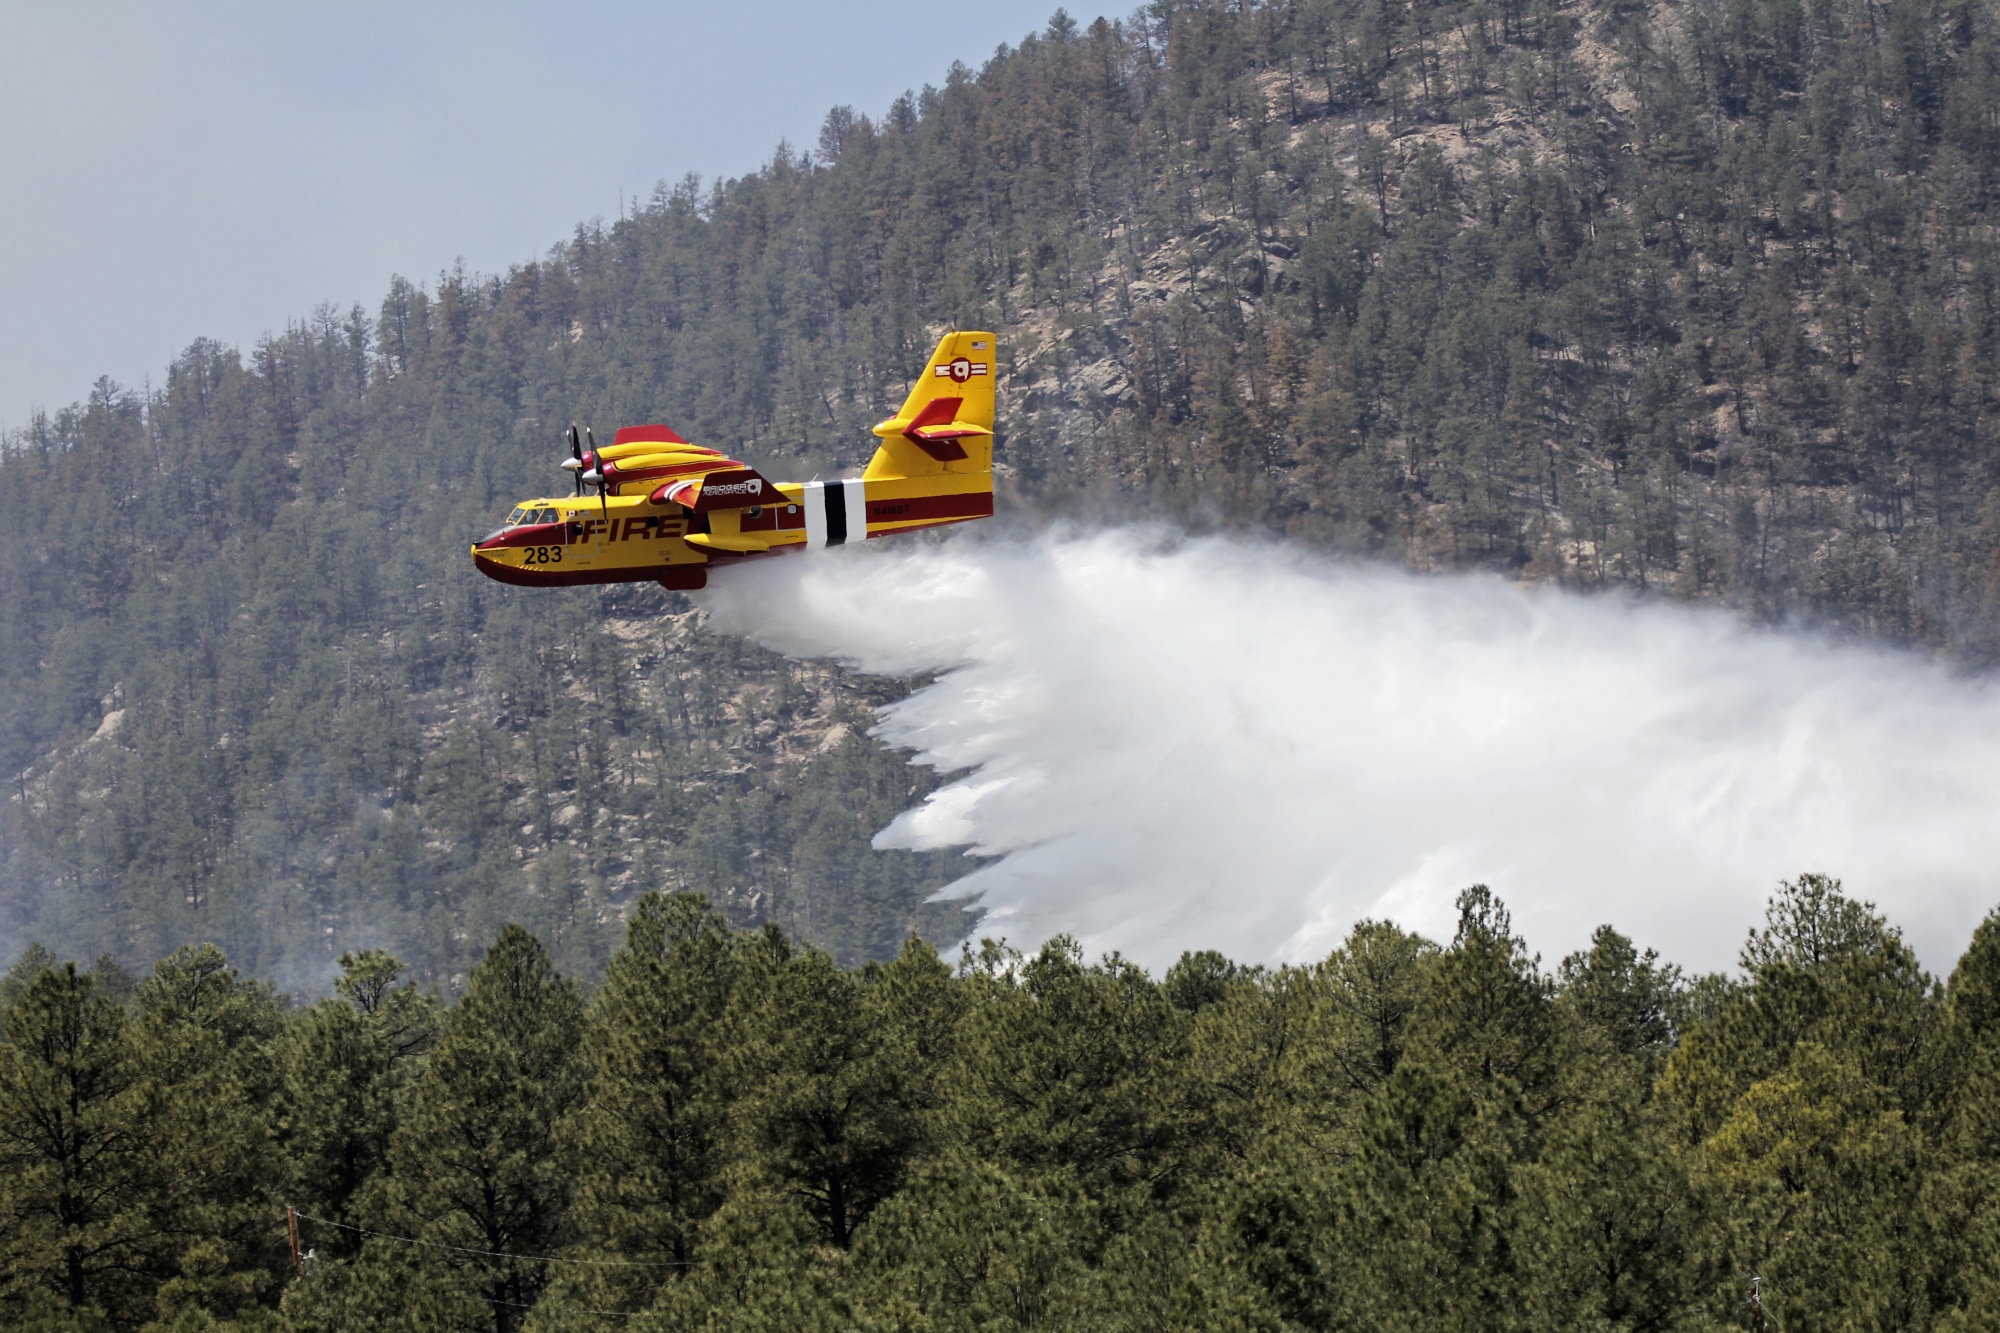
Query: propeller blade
{"x": 597, "y": 471}
{"x": 603, "y": 509}
{"x": 575, "y": 459}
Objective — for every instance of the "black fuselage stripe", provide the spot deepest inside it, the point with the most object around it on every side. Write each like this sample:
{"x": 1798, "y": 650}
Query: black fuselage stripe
{"x": 836, "y": 513}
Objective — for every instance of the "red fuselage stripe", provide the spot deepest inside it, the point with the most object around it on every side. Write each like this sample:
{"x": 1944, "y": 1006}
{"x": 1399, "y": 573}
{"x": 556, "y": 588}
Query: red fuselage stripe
{"x": 979, "y": 504}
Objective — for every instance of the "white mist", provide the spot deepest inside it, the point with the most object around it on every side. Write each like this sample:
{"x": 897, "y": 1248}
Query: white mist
{"x": 1233, "y": 745}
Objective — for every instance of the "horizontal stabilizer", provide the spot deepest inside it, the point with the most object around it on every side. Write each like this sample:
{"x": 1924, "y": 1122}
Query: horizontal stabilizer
{"x": 937, "y": 426}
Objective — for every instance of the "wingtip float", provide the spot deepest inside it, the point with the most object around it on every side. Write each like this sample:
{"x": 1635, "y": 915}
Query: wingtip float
{"x": 661, "y": 509}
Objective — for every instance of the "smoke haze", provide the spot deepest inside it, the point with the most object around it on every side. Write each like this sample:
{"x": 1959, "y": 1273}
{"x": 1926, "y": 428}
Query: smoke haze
{"x": 1223, "y": 744}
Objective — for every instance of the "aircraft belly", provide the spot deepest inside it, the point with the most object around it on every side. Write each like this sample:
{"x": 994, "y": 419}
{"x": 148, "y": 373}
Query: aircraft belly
{"x": 891, "y": 529}
{"x": 598, "y": 559}
{"x": 569, "y": 578}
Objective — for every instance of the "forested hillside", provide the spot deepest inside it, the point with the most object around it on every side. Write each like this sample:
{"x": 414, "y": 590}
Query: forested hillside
{"x": 732, "y": 1132}
{"x": 1700, "y": 297}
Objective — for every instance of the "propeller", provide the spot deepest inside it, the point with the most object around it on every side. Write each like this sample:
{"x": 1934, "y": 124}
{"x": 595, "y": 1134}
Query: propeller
{"x": 574, "y": 463}
{"x": 603, "y": 510}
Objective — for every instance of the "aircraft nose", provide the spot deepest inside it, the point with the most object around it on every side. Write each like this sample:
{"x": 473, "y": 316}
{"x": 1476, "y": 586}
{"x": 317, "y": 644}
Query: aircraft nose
{"x": 489, "y": 540}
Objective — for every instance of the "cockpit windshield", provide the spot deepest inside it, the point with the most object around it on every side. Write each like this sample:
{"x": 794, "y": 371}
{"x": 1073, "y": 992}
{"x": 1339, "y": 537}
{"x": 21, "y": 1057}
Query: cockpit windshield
{"x": 517, "y": 517}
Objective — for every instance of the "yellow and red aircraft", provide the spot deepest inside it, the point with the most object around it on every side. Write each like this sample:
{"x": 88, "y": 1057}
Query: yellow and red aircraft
{"x": 670, "y": 511}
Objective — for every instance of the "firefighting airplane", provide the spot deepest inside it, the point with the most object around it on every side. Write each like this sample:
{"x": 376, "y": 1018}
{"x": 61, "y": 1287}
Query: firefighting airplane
{"x": 669, "y": 511}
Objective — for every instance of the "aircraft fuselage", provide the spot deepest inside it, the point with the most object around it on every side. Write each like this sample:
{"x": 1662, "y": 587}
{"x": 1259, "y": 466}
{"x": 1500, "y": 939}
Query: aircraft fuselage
{"x": 566, "y": 541}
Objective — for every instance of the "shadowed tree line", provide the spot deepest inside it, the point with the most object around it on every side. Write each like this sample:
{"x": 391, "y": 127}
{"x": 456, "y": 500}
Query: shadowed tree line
{"x": 733, "y": 1131}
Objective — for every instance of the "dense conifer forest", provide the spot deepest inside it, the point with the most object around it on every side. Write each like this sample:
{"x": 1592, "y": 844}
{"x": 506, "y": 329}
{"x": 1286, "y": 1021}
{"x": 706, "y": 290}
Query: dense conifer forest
{"x": 531, "y": 946}
{"x": 1699, "y": 297}
{"x": 734, "y": 1132}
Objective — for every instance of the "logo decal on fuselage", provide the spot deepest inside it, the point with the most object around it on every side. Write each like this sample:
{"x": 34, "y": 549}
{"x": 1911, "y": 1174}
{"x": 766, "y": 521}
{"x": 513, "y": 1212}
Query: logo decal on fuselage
{"x": 961, "y": 370}
{"x": 750, "y": 487}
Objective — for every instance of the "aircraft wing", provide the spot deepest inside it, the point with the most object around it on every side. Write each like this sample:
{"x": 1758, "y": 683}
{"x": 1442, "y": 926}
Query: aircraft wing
{"x": 656, "y": 459}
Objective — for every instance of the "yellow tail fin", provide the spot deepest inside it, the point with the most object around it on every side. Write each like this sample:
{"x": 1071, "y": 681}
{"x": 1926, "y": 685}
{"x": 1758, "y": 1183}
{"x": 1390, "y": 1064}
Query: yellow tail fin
{"x": 946, "y": 424}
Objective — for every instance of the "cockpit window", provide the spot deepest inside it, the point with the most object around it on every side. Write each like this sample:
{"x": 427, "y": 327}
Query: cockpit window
{"x": 514, "y": 519}
{"x": 545, "y": 516}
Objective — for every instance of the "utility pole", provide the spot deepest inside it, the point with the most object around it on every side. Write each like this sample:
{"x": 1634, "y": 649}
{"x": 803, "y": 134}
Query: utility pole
{"x": 1756, "y": 1299}
{"x": 292, "y": 1225}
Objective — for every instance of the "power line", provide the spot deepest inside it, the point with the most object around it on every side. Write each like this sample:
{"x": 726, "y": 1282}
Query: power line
{"x": 516, "y": 1305}
{"x": 500, "y": 1254}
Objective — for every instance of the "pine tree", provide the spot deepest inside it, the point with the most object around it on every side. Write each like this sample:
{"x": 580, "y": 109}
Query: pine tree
{"x": 1966, "y": 1051}
{"x": 1412, "y": 1231}
{"x": 137, "y": 1164}
{"x": 1959, "y": 1211}
{"x": 203, "y": 1041}
{"x": 346, "y": 1069}
{"x": 1074, "y": 1067}
{"x": 478, "y": 1163}
{"x": 1802, "y": 1099}
{"x": 77, "y": 1164}
{"x": 652, "y": 1137}
{"x": 1624, "y": 999}
{"x": 968, "y": 1245}
{"x": 830, "y": 1110}
{"x": 1610, "y": 1227}
{"x": 1487, "y": 1009}
{"x": 1372, "y": 986}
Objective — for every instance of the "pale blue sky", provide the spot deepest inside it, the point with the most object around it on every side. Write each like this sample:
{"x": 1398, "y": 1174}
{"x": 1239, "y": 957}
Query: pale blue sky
{"x": 174, "y": 170}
